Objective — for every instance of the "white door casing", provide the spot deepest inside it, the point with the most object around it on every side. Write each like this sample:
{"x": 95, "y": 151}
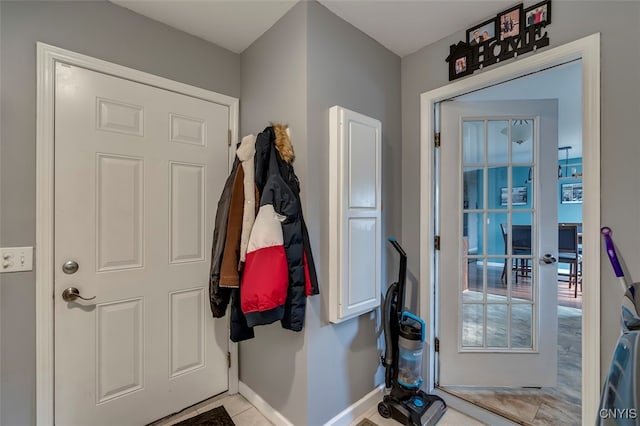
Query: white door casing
{"x": 586, "y": 49}
{"x": 484, "y": 340}
{"x": 138, "y": 172}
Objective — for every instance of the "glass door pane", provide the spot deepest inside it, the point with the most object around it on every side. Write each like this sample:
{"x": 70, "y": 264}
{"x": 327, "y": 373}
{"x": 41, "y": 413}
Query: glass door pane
{"x": 498, "y": 208}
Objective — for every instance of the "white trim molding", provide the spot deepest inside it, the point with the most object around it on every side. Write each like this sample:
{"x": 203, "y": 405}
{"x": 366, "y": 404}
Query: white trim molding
{"x": 47, "y": 56}
{"x": 273, "y": 415}
{"x": 586, "y": 49}
{"x": 357, "y": 409}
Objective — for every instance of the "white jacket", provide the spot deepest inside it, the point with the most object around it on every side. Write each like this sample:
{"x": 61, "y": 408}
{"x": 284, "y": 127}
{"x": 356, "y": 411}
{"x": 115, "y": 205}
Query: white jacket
{"x": 245, "y": 153}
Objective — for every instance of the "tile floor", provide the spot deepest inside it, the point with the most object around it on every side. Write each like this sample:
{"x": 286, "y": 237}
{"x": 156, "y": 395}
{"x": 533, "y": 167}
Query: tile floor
{"x": 451, "y": 418}
{"x": 244, "y": 414}
{"x": 241, "y": 411}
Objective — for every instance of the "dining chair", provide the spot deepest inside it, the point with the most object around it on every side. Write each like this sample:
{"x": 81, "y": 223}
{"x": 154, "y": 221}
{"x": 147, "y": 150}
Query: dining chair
{"x": 569, "y": 253}
{"x": 520, "y": 245}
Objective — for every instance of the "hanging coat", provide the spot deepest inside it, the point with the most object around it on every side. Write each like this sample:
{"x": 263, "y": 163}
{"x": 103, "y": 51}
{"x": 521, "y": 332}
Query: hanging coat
{"x": 274, "y": 157}
{"x": 219, "y": 297}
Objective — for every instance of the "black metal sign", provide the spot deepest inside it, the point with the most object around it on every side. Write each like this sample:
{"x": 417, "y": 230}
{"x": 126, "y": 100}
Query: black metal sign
{"x": 512, "y": 32}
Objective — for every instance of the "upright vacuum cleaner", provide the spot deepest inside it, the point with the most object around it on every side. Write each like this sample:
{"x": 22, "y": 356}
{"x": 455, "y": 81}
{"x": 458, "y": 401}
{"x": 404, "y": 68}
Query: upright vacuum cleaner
{"x": 620, "y": 400}
{"x": 404, "y": 335}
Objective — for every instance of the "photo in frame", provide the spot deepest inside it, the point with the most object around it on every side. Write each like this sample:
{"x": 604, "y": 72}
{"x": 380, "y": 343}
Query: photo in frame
{"x": 460, "y": 65}
{"x": 509, "y": 21}
{"x": 518, "y": 196}
{"x": 571, "y": 193}
{"x": 482, "y": 32}
{"x": 459, "y": 62}
{"x": 538, "y": 13}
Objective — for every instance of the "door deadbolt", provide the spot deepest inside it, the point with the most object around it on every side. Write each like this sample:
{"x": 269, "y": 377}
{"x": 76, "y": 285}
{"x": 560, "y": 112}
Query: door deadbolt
{"x": 70, "y": 267}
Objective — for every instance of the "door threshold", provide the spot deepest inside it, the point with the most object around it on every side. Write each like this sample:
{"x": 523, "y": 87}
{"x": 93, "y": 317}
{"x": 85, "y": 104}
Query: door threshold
{"x": 472, "y": 409}
{"x": 487, "y": 407}
{"x": 525, "y": 406}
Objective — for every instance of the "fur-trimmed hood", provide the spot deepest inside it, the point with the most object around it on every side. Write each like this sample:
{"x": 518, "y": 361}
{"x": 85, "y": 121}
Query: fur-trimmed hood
{"x": 283, "y": 142}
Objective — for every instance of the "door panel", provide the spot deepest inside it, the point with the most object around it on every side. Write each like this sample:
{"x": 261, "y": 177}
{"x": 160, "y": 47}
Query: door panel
{"x": 120, "y": 204}
{"x": 137, "y": 174}
{"x": 187, "y": 212}
{"x": 496, "y": 327}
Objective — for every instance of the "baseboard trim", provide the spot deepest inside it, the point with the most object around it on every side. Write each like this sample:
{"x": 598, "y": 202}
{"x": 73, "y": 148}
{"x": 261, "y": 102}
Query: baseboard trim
{"x": 273, "y": 415}
{"x": 357, "y": 409}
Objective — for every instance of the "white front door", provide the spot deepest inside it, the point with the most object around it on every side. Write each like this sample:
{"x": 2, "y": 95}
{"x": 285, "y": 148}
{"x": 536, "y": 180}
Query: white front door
{"x": 498, "y": 218}
{"x": 138, "y": 171}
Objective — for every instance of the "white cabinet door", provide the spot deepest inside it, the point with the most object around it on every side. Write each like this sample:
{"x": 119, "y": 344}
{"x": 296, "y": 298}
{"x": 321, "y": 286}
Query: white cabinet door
{"x": 138, "y": 171}
{"x": 355, "y": 213}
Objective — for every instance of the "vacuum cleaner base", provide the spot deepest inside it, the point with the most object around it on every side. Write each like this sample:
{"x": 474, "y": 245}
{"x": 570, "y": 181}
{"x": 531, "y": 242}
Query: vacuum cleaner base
{"x": 420, "y": 409}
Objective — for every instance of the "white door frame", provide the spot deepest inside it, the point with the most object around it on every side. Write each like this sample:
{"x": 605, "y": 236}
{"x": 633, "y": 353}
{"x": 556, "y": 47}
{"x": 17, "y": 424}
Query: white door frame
{"x": 588, "y": 50}
{"x": 47, "y": 56}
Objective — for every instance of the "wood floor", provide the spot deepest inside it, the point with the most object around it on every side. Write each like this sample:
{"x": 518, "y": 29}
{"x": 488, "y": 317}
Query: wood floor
{"x": 495, "y": 285}
{"x": 547, "y": 406}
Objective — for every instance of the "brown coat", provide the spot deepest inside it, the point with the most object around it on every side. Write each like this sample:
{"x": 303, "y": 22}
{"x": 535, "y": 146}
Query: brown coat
{"x": 229, "y": 276}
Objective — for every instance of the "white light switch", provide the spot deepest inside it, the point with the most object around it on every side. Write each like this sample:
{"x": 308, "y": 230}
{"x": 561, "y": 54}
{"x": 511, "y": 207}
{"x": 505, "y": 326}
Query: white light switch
{"x": 16, "y": 259}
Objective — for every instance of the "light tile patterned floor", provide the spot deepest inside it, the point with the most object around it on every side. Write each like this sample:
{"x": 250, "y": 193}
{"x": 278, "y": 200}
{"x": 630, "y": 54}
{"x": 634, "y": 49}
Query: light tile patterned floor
{"x": 244, "y": 414}
{"x": 451, "y": 418}
{"x": 241, "y": 411}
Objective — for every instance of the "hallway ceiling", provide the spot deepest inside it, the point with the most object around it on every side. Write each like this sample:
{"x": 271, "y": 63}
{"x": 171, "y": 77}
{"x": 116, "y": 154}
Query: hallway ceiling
{"x": 402, "y": 26}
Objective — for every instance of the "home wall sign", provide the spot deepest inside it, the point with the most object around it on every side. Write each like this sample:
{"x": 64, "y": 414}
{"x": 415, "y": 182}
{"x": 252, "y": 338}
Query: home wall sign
{"x": 512, "y": 32}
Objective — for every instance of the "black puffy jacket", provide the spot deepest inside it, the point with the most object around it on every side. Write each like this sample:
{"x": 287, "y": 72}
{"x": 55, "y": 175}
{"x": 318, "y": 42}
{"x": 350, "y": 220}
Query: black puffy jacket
{"x": 294, "y": 230}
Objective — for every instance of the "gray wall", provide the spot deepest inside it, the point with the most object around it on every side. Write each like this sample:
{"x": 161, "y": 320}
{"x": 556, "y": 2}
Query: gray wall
{"x": 618, "y": 24}
{"x": 346, "y": 68}
{"x": 307, "y": 62}
{"x": 274, "y": 89}
{"x": 98, "y": 29}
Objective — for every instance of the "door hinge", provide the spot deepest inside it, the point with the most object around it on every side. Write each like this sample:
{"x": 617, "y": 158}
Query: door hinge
{"x": 436, "y": 345}
{"x": 229, "y": 137}
{"x": 436, "y": 242}
{"x": 436, "y": 139}
{"x": 228, "y": 359}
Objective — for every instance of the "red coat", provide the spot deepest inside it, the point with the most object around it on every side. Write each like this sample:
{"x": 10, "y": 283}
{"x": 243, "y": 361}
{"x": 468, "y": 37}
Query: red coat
{"x": 266, "y": 275}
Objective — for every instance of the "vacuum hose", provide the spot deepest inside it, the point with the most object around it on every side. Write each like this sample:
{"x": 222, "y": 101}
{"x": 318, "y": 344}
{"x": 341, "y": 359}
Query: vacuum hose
{"x": 388, "y": 338}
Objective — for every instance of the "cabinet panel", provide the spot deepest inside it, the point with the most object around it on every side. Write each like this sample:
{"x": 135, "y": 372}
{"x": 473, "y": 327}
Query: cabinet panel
{"x": 355, "y": 214}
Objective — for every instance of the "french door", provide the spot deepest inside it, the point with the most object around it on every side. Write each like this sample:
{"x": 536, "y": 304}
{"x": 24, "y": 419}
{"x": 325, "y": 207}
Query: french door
{"x": 498, "y": 237}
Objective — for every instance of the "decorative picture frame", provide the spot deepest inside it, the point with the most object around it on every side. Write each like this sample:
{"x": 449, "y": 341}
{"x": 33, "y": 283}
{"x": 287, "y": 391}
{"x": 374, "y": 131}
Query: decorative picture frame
{"x": 508, "y": 22}
{"x": 518, "y": 196}
{"x": 482, "y": 32}
{"x": 460, "y": 62}
{"x": 538, "y": 13}
{"x": 571, "y": 193}
{"x": 500, "y": 38}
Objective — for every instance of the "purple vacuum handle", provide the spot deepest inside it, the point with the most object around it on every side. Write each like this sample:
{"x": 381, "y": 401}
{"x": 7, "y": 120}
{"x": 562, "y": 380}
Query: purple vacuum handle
{"x": 611, "y": 251}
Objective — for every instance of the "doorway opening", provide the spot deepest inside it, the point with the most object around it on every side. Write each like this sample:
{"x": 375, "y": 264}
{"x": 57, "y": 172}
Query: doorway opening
{"x": 121, "y": 360}
{"x": 502, "y": 281}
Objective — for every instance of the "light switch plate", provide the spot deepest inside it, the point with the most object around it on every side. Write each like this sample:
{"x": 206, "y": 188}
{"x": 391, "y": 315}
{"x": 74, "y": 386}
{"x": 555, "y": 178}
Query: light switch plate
{"x": 16, "y": 259}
